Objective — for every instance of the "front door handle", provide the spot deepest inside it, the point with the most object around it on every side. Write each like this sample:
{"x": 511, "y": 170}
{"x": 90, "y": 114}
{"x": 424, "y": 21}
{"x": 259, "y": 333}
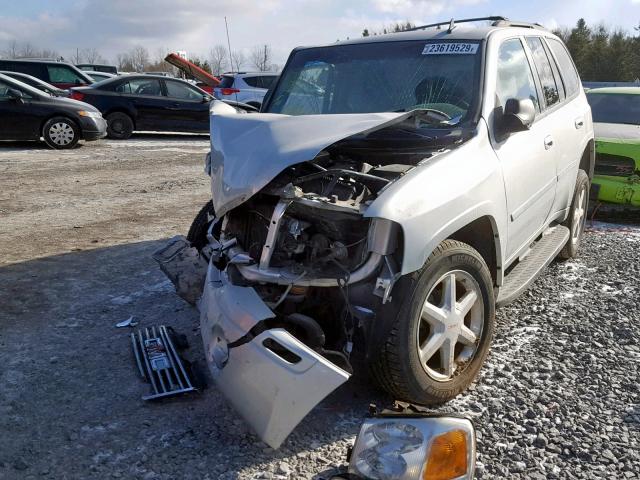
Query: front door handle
{"x": 579, "y": 123}
{"x": 548, "y": 142}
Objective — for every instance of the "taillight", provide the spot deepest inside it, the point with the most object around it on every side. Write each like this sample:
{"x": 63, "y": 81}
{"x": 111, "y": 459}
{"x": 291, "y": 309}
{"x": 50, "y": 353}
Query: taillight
{"x": 229, "y": 91}
{"x": 76, "y": 95}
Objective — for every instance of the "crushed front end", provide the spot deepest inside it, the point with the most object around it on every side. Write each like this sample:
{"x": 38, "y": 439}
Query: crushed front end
{"x": 295, "y": 269}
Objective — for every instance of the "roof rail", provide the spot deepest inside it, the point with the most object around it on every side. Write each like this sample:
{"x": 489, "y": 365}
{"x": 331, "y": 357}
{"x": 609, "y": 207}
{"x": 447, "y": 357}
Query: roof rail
{"x": 497, "y": 21}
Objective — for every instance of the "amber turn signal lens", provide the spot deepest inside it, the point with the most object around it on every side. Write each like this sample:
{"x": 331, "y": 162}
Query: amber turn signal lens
{"x": 447, "y": 456}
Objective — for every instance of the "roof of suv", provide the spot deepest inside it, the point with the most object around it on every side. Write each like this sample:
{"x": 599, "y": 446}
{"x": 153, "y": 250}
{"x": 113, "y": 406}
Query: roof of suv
{"x": 464, "y": 29}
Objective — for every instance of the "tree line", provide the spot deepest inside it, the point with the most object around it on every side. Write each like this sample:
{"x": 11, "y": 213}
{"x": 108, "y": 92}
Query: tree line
{"x": 139, "y": 59}
{"x": 603, "y": 54}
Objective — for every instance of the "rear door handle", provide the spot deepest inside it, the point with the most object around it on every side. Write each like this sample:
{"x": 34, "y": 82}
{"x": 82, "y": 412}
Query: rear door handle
{"x": 579, "y": 123}
{"x": 548, "y": 142}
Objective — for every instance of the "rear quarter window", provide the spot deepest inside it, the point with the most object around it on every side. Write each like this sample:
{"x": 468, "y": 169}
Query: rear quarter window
{"x": 252, "y": 81}
{"x": 226, "y": 82}
{"x": 567, "y": 69}
{"x": 33, "y": 69}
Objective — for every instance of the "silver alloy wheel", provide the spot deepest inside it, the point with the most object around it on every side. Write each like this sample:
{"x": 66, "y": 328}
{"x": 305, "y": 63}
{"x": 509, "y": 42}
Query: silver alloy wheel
{"x": 61, "y": 133}
{"x": 451, "y": 323}
{"x": 579, "y": 216}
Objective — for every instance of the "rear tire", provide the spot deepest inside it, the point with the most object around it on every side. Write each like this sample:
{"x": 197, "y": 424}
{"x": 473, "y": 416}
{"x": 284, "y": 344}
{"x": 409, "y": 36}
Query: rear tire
{"x": 410, "y": 365}
{"x": 61, "y": 133}
{"x": 119, "y": 126}
{"x": 198, "y": 231}
{"x": 577, "y": 216}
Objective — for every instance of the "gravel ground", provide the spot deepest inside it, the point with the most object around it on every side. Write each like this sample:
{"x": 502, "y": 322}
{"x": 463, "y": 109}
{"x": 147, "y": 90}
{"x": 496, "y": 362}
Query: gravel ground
{"x": 558, "y": 398}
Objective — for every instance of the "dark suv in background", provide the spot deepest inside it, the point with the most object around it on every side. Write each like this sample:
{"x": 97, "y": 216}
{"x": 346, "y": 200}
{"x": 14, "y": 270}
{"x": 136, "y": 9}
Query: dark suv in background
{"x": 59, "y": 74}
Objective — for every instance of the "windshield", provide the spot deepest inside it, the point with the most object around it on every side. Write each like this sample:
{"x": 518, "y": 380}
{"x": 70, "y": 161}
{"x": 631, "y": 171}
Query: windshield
{"x": 381, "y": 77}
{"x": 615, "y": 108}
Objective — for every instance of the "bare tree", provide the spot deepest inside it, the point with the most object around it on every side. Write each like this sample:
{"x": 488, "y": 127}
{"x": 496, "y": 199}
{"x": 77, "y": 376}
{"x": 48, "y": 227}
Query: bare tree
{"x": 48, "y": 53}
{"x": 261, "y": 58}
{"x": 124, "y": 62}
{"x": 139, "y": 57}
{"x": 238, "y": 60}
{"x": 12, "y": 50}
{"x": 218, "y": 59}
{"x": 157, "y": 63}
{"x": 91, "y": 55}
{"x": 27, "y": 51}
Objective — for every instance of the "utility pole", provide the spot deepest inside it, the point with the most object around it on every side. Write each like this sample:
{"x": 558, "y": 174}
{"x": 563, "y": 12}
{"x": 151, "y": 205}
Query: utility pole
{"x": 229, "y": 45}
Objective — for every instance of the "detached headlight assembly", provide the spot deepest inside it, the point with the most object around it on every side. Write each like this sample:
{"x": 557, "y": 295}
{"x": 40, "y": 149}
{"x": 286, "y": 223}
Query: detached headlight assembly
{"x": 398, "y": 446}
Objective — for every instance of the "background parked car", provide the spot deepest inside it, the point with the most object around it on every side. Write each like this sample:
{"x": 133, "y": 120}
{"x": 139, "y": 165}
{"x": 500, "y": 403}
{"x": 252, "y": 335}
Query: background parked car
{"x": 59, "y": 74}
{"x": 99, "y": 76}
{"x": 616, "y": 116}
{"x": 37, "y": 83}
{"x": 146, "y": 102}
{"x": 245, "y": 87}
{"x": 27, "y": 113}
{"x": 95, "y": 67}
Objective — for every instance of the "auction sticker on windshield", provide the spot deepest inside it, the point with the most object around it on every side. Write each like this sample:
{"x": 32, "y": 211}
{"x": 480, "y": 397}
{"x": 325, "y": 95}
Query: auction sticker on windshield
{"x": 450, "y": 48}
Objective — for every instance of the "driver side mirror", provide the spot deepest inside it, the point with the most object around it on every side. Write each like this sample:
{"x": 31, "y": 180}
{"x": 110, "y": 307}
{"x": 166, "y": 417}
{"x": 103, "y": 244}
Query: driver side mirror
{"x": 206, "y": 98}
{"x": 518, "y": 115}
{"x": 16, "y": 95}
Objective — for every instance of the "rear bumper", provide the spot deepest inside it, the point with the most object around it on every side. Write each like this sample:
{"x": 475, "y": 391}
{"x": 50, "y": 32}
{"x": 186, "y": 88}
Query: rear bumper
{"x": 272, "y": 391}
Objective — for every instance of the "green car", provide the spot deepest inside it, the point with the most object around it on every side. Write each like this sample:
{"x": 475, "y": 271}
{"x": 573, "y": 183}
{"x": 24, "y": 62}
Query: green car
{"x": 616, "y": 117}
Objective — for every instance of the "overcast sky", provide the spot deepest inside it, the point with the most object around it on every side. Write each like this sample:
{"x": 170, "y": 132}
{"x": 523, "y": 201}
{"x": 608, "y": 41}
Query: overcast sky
{"x": 113, "y": 26}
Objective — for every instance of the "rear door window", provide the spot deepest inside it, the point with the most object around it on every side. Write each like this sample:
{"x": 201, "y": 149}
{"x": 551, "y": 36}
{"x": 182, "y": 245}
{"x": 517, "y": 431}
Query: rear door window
{"x": 63, "y": 74}
{"x": 266, "y": 81}
{"x": 182, "y": 91}
{"x": 140, "y": 86}
{"x": 567, "y": 68}
{"x": 550, "y": 90}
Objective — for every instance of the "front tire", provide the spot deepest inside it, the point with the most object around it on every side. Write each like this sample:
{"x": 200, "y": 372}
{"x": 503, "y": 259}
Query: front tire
{"x": 443, "y": 328}
{"x": 119, "y": 126}
{"x": 61, "y": 133}
{"x": 198, "y": 231}
{"x": 577, "y": 218}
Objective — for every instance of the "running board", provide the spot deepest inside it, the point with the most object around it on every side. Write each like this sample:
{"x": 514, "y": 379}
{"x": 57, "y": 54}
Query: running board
{"x": 528, "y": 269}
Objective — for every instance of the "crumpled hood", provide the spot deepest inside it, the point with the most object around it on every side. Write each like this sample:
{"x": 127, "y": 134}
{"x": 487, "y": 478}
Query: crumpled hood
{"x": 249, "y": 150}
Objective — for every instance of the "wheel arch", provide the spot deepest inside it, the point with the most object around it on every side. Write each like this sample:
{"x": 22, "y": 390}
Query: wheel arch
{"x": 130, "y": 113}
{"x": 588, "y": 159}
{"x": 482, "y": 235}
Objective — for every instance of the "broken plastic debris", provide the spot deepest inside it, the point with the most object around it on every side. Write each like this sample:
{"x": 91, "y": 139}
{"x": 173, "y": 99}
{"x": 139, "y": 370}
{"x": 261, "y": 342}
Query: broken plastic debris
{"x": 129, "y": 322}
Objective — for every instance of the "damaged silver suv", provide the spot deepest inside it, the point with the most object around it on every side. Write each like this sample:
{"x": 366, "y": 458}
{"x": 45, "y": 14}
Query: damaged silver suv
{"x": 391, "y": 193}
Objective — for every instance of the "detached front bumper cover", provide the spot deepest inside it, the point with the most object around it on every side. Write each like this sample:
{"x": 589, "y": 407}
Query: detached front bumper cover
{"x": 272, "y": 379}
